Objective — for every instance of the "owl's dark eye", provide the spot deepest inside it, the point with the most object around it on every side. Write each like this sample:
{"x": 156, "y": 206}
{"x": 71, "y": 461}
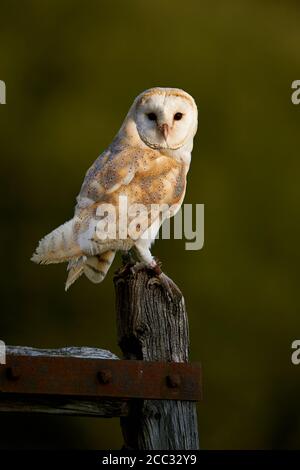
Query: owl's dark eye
{"x": 152, "y": 116}
{"x": 178, "y": 116}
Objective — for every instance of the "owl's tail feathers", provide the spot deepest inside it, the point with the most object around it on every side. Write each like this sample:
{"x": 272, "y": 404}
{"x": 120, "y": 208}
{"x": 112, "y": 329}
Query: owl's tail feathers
{"x": 94, "y": 267}
{"x": 58, "y": 246}
{"x": 75, "y": 268}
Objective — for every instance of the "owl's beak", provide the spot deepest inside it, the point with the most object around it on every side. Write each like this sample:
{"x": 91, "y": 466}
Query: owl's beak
{"x": 164, "y": 129}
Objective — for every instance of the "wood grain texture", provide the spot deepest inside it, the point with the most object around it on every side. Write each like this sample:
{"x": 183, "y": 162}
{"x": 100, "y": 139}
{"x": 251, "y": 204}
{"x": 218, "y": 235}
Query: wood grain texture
{"x": 153, "y": 326}
{"x": 63, "y": 406}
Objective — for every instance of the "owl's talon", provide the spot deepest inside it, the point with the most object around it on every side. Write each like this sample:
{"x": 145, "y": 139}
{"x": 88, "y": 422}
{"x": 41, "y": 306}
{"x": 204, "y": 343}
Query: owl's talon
{"x": 158, "y": 262}
{"x": 156, "y": 269}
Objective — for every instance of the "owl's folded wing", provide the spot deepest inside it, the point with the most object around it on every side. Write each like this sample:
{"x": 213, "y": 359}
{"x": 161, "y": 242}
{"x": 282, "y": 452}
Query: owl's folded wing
{"x": 106, "y": 175}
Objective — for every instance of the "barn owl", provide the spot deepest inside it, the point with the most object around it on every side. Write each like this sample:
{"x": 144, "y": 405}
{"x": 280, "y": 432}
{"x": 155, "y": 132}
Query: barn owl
{"x": 146, "y": 163}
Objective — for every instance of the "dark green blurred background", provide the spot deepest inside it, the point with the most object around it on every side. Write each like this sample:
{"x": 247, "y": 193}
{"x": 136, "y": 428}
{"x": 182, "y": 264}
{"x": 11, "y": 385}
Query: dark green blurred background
{"x": 72, "y": 69}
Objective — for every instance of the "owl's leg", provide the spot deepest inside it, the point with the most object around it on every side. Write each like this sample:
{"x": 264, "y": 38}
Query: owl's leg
{"x": 146, "y": 257}
{"x": 143, "y": 251}
{"x": 143, "y": 244}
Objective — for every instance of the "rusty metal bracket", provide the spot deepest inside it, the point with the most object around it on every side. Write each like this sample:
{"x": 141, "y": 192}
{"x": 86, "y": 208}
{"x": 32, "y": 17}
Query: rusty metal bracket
{"x": 100, "y": 378}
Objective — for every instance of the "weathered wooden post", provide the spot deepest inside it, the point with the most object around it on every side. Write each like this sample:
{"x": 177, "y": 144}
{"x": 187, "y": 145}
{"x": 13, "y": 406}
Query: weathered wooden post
{"x": 153, "y": 390}
{"x": 153, "y": 326}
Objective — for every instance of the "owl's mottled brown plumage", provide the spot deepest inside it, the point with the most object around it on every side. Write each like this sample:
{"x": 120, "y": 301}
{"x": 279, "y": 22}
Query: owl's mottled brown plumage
{"x": 147, "y": 163}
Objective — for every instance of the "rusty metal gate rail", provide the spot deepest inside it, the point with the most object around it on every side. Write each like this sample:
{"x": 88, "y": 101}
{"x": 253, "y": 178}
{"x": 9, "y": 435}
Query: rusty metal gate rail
{"x": 100, "y": 378}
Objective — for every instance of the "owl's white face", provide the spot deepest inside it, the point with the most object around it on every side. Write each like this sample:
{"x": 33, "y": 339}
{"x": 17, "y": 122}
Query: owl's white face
{"x": 165, "y": 118}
